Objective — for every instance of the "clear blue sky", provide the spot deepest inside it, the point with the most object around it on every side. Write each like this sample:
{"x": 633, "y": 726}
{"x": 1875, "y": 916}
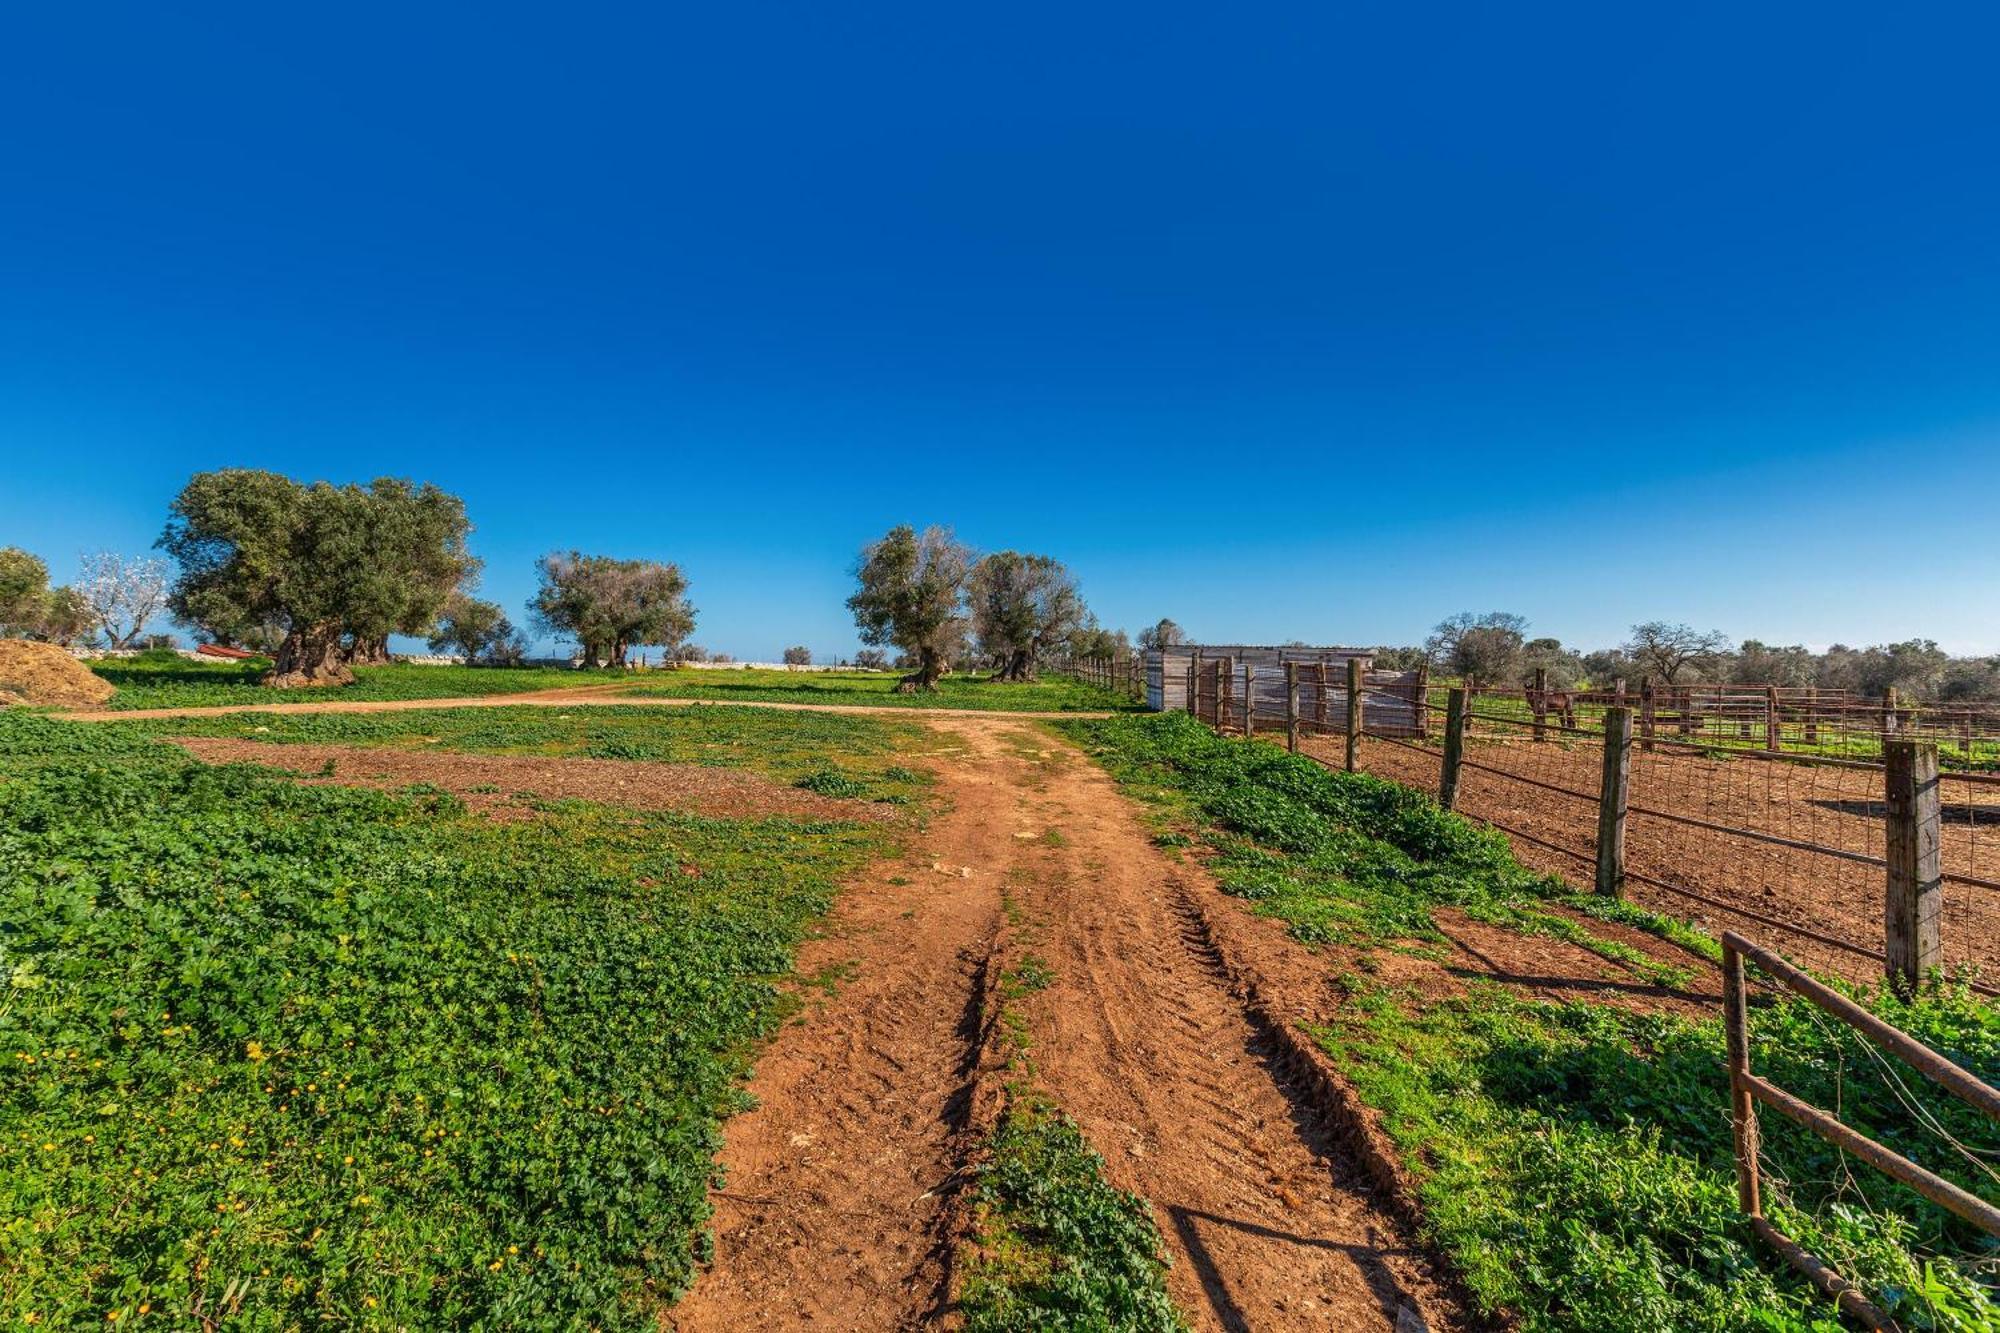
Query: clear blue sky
{"x": 1304, "y": 321}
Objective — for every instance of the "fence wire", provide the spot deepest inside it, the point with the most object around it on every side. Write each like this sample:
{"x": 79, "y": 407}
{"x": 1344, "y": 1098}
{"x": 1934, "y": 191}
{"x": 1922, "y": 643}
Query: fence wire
{"x": 1788, "y": 847}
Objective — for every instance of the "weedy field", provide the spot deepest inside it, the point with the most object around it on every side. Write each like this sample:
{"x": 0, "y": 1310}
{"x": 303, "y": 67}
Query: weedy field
{"x": 1573, "y": 1156}
{"x": 1049, "y": 694}
{"x": 278, "y": 1055}
{"x": 168, "y": 680}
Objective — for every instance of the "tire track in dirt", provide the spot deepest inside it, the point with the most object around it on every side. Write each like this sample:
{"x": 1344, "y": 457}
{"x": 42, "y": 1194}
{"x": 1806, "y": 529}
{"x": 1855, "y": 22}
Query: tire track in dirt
{"x": 1270, "y": 1221}
{"x": 836, "y": 1211}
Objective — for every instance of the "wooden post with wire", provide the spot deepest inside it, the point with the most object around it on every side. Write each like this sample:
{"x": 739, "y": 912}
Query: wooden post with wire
{"x": 1646, "y": 713}
{"x": 1539, "y": 704}
{"x": 1613, "y": 795}
{"x": 1225, "y": 681}
{"x": 1357, "y": 716}
{"x": 1319, "y": 699}
{"x": 1454, "y": 746}
{"x": 1912, "y": 938}
{"x": 1292, "y": 707}
{"x": 1774, "y": 735}
{"x": 1249, "y": 698}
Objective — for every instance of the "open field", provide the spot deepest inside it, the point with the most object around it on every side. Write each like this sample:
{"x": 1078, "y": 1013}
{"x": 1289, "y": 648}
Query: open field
{"x": 278, "y": 1053}
{"x": 1050, "y": 694}
{"x": 176, "y": 682}
{"x": 447, "y": 1016}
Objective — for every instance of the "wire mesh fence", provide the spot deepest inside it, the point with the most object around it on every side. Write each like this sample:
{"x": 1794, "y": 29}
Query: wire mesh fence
{"x": 1736, "y": 836}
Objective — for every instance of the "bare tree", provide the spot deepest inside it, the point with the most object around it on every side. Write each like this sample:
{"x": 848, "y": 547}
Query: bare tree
{"x": 798, "y": 655}
{"x": 1668, "y": 649}
{"x": 910, "y": 587}
{"x": 122, "y": 594}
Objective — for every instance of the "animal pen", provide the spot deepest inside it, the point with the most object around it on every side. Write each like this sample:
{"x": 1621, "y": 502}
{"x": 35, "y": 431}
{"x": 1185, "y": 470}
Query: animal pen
{"x": 1852, "y": 833}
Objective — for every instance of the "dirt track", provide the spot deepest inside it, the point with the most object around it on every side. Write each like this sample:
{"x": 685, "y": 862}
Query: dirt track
{"x": 838, "y": 1198}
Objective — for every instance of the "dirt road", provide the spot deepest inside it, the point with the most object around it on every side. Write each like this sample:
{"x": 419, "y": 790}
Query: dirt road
{"x": 838, "y": 1182}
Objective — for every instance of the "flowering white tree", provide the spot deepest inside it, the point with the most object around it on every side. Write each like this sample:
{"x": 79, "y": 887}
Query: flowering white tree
{"x": 122, "y": 594}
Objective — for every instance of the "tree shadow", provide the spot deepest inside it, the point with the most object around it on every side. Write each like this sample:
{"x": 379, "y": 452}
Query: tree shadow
{"x": 1367, "y": 1259}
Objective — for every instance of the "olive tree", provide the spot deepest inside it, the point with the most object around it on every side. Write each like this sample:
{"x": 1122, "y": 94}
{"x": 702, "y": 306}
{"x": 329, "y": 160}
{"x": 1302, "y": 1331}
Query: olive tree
{"x": 478, "y": 630}
{"x": 1163, "y": 633}
{"x": 610, "y": 606}
{"x": 1480, "y": 649}
{"x": 908, "y": 595}
{"x": 798, "y": 655}
{"x": 1022, "y": 606}
{"x": 24, "y": 592}
{"x": 327, "y": 567}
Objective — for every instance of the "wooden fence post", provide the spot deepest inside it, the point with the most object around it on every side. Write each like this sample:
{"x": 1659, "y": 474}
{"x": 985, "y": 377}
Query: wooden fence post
{"x": 1357, "y": 716}
{"x": 1225, "y": 681}
{"x": 1193, "y": 681}
{"x": 1292, "y": 707}
{"x": 1454, "y": 746}
{"x": 1812, "y": 715}
{"x": 1249, "y": 698}
{"x": 1611, "y": 802}
{"x": 1319, "y": 700}
{"x": 1912, "y": 936}
{"x": 1539, "y": 705}
{"x": 1422, "y": 694}
{"x": 1888, "y": 710}
{"x": 1774, "y": 736}
{"x": 1646, "y": 713}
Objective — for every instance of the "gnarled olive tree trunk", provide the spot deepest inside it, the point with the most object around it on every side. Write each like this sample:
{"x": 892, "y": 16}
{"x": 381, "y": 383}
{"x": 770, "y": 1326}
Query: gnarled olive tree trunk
{"x": 1019, "y": 665}
{"x": 930, "y": 668}
{"x": 310, "y": 655}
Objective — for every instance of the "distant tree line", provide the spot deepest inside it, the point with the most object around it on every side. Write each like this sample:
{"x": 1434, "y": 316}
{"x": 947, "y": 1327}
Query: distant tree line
{"x": 1493, "y": 649}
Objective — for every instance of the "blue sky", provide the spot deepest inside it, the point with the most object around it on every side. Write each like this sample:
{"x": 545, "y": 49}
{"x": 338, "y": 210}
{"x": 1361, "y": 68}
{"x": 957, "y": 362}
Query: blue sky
{"x": 1314, "y": 322}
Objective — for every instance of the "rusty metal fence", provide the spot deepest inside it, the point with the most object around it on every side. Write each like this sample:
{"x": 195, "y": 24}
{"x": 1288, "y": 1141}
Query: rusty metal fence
{"x": 1795, "y": 846}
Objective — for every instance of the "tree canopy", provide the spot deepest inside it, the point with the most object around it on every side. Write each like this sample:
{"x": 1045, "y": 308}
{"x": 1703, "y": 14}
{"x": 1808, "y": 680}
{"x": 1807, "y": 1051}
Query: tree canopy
{"x": 909, "y": 587}
{"x": 1022, "y": 606}
{"x": 331, "y": 568}
{"x": 610, "y": 606}
{"x": 1163, "y": 633}
{"x": 1481, "y": 649}
{"x": 478, "y": 630}
{"x": 1666, "y": 649}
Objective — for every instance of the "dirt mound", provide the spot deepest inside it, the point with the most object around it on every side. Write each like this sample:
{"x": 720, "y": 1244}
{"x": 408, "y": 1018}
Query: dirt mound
{"x": 44, "y": 675}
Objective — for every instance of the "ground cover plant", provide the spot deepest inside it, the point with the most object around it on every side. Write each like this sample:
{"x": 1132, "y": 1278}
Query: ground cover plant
{"x": 1574, "y": 1160}
{"x": 276, "y": 1055}
{"x": 1053, "y": 1245}
{"x": 832, "y": 754}
{"x": 1048, "y": 694}
{"x": 168, "y": 680}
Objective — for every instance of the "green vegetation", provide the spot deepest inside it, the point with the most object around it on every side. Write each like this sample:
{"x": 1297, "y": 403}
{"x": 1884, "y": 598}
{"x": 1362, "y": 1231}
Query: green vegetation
{"x": 830, "y": 753}
{"x": 282, "y": 1056}
{"x": 1050, "y": 694}
{"x": 168, "y": 680}
{"x": 1059, "y": 1248}
{"x": 1053, "y": 1245}
{"x": 1574, "y": 1160}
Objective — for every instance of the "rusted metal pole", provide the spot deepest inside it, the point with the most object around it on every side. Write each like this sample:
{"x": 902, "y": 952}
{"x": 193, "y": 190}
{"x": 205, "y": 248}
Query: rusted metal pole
{"x": 1742, "y": 1110}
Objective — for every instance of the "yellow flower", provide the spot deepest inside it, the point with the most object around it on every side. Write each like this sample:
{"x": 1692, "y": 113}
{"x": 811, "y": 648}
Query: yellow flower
{"x": 254, "y": 1050}
{"x": 513, "y": 1249}
{"x": 495, "y": 1265}
{"x": 368, "y": 1301}
{"x": 145, "y": 1307}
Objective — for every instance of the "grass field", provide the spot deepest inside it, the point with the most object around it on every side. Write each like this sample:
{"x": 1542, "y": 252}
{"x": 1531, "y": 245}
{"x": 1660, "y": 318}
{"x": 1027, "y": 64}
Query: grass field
{"x": 280, "y": 1055}
{"x": 171, "y": 681}
{"x": 840, "y": 755}
{"x": 1050, "y": 694}
{"x": 1574, "y": 1159}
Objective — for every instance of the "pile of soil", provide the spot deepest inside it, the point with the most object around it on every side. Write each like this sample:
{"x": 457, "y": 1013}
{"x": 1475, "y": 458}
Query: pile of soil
{"x": 46, "y": 676}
